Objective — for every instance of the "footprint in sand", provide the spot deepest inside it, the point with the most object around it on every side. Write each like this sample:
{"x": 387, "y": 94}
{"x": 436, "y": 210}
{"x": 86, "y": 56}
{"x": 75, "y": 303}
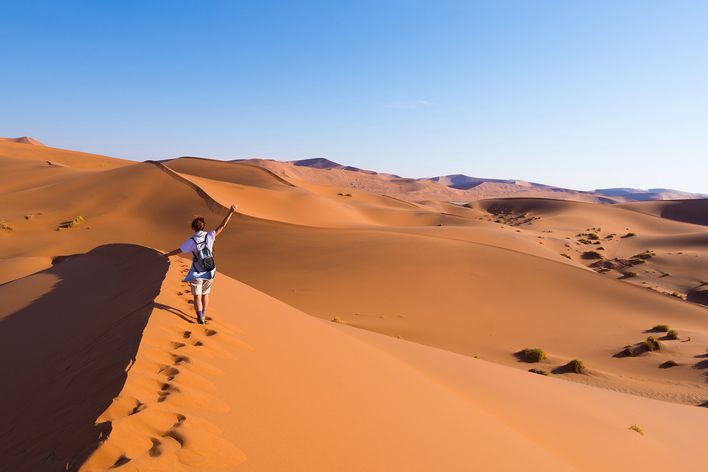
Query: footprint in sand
{"x": 180, "y": 419}
{"x": 179, "y": 360}
{"x": 155, "y": 450}
{"x": 122, "y": 460}
{"x": 170, "y": 372}
{"x": 198, "y": 343}
{"x": 174, "y": 433}
{"x": 168, "y": 387}
{"x": 138, "y": 408}
{"x": 166, "y": 390}
{"x": 210, "y": 332}
{"x": 187, "y": 334}
{"x": 176, "y": 345}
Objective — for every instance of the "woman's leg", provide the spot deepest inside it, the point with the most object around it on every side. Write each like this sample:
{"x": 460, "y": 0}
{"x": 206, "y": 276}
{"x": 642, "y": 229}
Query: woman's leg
{"x": 205, "y": 303}
{"x": 198, "y": 307}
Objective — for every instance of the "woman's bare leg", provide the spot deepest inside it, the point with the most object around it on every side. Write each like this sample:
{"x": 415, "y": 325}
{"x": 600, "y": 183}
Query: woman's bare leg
{"x": 205, "y": 303}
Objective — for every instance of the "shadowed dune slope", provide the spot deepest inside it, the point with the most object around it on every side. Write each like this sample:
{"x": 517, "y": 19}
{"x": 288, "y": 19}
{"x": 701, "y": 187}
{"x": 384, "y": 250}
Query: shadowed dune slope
{"x": 688, "y": 211}
{"x": 67, "y": 336}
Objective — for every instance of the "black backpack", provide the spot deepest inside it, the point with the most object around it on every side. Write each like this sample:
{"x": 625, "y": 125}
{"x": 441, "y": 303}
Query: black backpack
{"x": 203, "y": 260}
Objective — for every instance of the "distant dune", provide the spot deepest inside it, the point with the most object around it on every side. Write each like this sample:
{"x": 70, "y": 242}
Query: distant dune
{"x": 633, "y": 194}
{"x": 17, "y": 148}
{"x": 360, "y": 321}
{"x": 454, "y": 186}
{"x": 690, "y": 211}
{"x": 23, "y": 140}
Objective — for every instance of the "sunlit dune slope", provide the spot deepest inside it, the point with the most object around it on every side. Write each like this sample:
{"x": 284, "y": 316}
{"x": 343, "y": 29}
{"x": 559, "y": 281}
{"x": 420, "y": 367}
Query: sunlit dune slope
{"x": 58, "y": 157}
{"x": 264, "y": 195}
{"x": 265, "y": 387}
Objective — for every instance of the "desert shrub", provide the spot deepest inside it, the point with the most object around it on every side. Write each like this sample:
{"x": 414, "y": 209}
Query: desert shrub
{"x": 630, "y": 351}
{"x": 672, "y": 334}
{"x": 76, "y": 221}
{"x": 660, "y": 328}
{"x": 644, "y": 255}
{"x": 576, "y": 366}
{"x": 533, "y": 354}
{"x": 651, "y": 344}
{"x": 73, "y": 223}
{"x": 538, "y": 371}
{"x": 591, "y": 255}
{"x": 628, "y": 235}
{"x": 669, "y": 364}
{"x": 4, "y": 226}
{"x": 628, "y": 274}
{"x": 637, "y": 428}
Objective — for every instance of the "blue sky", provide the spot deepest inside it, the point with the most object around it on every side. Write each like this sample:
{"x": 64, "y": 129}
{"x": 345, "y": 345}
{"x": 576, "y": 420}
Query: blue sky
{"x": 571, "y": 93}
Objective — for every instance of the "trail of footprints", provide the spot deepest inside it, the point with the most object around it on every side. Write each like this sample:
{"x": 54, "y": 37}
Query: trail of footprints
{"x": 167, "y": 386}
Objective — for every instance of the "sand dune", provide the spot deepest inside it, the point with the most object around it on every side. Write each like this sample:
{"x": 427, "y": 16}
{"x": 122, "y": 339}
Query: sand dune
{"x": 23, "y": 140}
{"x": 256, "y": 384}
{"x": 67, "y": 335}
{"x": 57, "y": 157}
{"x": 689, "y": 211}
{"x": 277, "y": 388}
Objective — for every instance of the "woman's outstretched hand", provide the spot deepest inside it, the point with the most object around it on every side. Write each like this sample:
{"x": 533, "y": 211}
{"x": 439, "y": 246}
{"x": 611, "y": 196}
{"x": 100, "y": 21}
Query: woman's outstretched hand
{"x": 234, "y": 207}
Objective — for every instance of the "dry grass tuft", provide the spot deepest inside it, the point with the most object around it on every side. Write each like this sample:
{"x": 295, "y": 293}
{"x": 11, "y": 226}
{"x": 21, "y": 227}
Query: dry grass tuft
{"x": 637, "y": 428}
{"x": 651, "y": 344}
{"x": 576, "y": 366}
{"x": 533, "y": 354}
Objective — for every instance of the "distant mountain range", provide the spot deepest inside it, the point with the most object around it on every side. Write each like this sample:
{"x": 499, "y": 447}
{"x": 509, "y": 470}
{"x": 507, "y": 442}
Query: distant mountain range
{"x": 466, "y": 182}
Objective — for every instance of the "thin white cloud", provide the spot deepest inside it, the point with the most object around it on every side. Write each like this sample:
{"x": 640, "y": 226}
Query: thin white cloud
{"x": 408, "y": 104}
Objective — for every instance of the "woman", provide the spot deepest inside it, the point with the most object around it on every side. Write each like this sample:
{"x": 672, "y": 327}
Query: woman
{"x": 201, "y": 274}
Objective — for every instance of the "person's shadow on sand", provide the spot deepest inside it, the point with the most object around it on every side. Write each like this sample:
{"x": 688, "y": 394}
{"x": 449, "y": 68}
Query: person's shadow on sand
{"x": 175, "y": 311}
{"x": 65, "y": 354}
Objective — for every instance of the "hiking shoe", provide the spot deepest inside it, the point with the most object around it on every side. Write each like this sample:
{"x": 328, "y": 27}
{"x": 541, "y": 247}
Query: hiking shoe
{"x": 200, "y": 320}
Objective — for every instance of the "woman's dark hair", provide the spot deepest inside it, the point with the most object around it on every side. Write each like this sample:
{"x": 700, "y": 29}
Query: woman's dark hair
{"x": 198, "y": 223}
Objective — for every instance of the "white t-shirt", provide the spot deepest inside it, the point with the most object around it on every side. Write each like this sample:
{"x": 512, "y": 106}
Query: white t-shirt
{"x": 190, "y": 246}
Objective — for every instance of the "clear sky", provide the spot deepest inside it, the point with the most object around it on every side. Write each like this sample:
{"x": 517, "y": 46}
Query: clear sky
{"x": 581, "y": 94}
